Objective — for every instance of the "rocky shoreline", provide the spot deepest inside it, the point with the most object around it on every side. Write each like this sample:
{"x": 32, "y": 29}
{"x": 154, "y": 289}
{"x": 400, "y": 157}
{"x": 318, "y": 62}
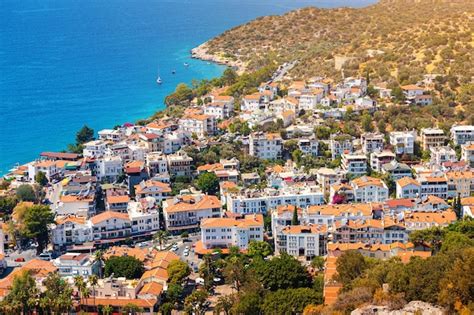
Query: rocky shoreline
{"x": 201, "y": 52}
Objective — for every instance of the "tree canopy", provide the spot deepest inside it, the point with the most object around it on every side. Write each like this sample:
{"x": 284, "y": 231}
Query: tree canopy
{"x": 124, "y": 266}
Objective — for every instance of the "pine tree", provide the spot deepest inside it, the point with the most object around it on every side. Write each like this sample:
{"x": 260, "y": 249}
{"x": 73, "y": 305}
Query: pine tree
{"x": 294, "y": 220}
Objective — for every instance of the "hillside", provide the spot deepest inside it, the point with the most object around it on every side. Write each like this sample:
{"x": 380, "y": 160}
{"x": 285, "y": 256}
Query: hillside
{"x": 394, "y": 40}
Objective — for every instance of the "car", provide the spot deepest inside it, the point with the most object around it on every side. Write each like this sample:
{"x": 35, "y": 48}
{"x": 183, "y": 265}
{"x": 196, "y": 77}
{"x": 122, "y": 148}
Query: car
{"x": 20, "y": 259}
{"x": 46, "y": 256}
{"x": 186, "y": 253}
{"x": 186, "y": 248}
{"x": 174, "y": 248}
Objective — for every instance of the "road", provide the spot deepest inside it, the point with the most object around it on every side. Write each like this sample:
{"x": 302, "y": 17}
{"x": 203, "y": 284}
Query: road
{"x": 280, "y": 74}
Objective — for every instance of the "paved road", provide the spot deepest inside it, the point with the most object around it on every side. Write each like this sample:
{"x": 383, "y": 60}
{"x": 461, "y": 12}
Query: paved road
{"x": 280, "y": 74}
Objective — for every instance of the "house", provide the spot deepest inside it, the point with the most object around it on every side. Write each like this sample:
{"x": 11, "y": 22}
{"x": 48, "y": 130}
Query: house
{"x": 149, "y": 141}
{"x": 199, "y": 124}
{"x": 250, "y": 178}
{"x": 372, "y": 142}
{"x": 365, "y": 103}
{"x": 341, "y": 193}
{"x": 434, "y": 185}
{"x": 251, "y": 102}
{"x": 441, "y": 154}
{"x": 396, "y": 170}
{"x": 328, "y": 176}
{"x": 412, "y": 91}
{"x": 354, "y": 231}
{"x": 70, "y": 230}
{"x": 408, "y": 187}
{"x": 265, "y": 145}
{"x": 221, "y": 107}
{"x": 403, "y": 141}
{"x": 94, "y": 149}
{"x": 288, "y": 117}
{"x": 185, "y": 212}
{"x": 369, "y": 189}
{"x": 77, "y": 264}
{"x": 380, "y": 158}
{"x": 467, "y": 153}
{"x": 114, "y": 135}
{"x": 152, "y": 188}
{"x": 432, "y": 137}
{"x": 309, "y": 146}
{"x": 116, "y": 201}
{"x": 223, "y": 233}
{"x": 305, "y": 241}
{"x": 340, "y": 143}
{"x": 272, "y": 87}
{"x": 110, "y": 227}
{"x": 354, "y": 163}
{"x": 423, "y": 100}
{"x": 462, "y": 134}
{"x": 135, "y": 172}
{"x": 179, "y": 164}
{"x": 48, "y": 167}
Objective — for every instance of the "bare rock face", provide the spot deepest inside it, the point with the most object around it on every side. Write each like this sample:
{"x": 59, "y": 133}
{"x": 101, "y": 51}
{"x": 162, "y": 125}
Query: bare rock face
{"x": 412, "y": 308}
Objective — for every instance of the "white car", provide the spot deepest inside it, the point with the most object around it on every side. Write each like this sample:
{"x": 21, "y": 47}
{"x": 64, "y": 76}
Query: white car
{"x": 186, "y": 252}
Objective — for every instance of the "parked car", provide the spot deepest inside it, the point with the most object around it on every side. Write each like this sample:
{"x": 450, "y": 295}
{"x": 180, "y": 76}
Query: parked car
{"x": 46, "y": 256}
{"x": 20, "y": 259}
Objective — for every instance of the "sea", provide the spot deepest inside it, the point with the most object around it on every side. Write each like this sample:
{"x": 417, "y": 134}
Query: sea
{"x": 67, "y": 63}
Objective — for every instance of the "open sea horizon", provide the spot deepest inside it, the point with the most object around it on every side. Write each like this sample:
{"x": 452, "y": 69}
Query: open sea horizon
{"x": 66, "y": 63}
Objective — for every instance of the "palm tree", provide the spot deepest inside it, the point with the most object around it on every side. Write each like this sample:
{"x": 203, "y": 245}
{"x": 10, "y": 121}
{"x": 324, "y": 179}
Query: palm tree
{"x": 107, "y": 310}
{"x": 161, "y": 237}
{"x": 99, "y": 256}
{"x": 93, "y": 282}
{"x": 80, "y": 286}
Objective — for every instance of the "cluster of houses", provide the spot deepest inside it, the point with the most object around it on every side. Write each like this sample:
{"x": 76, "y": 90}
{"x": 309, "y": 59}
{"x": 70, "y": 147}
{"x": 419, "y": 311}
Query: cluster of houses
{"x": 120, "y": 188}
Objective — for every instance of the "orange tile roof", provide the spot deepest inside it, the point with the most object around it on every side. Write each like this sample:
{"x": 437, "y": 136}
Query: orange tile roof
{"x": 248, "y": 221}
{"x": 138, "y": 253}
{"x": 367, "y": 181}
{"x": 152, "y": 288}
{"x": 107, "y": 215}
{"x": 70, "y": 218}
{"x": 365, "y": 208}
{"x": 119, "y": 302}
{"x": 156, "y": 273}
{"x": 405, "y": 181}
{"x": 210, "y": 167}
{"x": 406, "y": 255}
{"x": 253, "y": 97}
{"x": 206, "y": 202}
{"x": 468, "y": 201}
{"x": 440, "y": 218}
{"x": 411, "y": 87}
{"x": 118, "y": 199}
{"x": 73, "y": 198}
{"x": 300, "y": 229}
{"x": 151, "y": 183}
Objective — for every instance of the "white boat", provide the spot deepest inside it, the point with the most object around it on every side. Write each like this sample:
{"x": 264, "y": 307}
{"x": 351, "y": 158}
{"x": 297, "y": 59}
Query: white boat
{"x": 186, "y": 64}
{"x": 159, "y": 81}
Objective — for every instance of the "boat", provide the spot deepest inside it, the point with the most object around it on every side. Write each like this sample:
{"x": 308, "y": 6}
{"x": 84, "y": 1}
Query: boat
{"x": 159, "y": 81}
{"x": 173, "y": 72}
{"x": 186, "y": 64}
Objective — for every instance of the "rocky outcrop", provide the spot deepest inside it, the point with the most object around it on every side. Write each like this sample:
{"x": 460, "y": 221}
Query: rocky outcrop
{"x": 412, "y": 308}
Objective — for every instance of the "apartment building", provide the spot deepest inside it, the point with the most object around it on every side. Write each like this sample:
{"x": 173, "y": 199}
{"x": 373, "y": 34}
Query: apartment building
{"x": 48, "y": 167}
{"x": 340, "y": 144}
{"x": 424, "y": 220}
{"x": 70, "y": 230}
{"x": 153, "y": 188}
{"x": 326, "y": 177}
{"x": 179, "y": 164}
{"x": 226, "y": 232}
{"x": 77, "y": 264}
{"x": 462, "y": 134}
{"x": 407, "y": 187}
{"x": 372, "y": 142}
{"x": 442, "y": 154}
{"x": 94, "y": 149}
{"x": 144, "y": 216}
{"x": 156, "y": 163}
{"x": 460, "y": 183}
{"x": 267, "y": 146}
{"x": 403, "y": 141}
{"x": 185, "y": 212}
{"x": 110, "y": 226}
{"x": 369, "y": 189}
{"x": 396, "y": 170}
{"x": 305, "y": 241}
{"x": 109, "y": 168}
{"x": 247, "y": 201}
{"x": 354, "y": 163}
{"x": 467, "y": 153}
{"x": 379, "y": 158}
{"x": 199, "y": 124}
{"x": 432, "y": 137}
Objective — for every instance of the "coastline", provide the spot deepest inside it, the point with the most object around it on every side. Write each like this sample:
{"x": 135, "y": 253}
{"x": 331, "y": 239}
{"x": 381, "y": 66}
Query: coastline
{"x": 201, "y": 52}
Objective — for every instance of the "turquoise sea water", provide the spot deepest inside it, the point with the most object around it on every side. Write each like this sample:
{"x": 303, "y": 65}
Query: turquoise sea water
{"x": 65, "y": 63}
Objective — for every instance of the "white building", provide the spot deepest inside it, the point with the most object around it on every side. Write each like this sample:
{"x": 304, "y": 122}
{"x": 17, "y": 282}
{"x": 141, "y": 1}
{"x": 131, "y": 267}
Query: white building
{"x": 265, "y": 145}
{"x": 462, "y": 134}
{"x": 111, "y": 226}
{"x": 372, "y": 142}
{"x": 467, "y": 153}
{"x": 408, "y": 187}
{"x": 355, "y": 164}
{"x": 185, "y": 212}
{"x": 227, "y": 232}
{"x": 251, "y": 102}
{"x": 379, "y": 158}
{"x": 255, "y": 201}
{"x": 200, "y": 124}
{"x": 114, "y": 135}
{"x": 441, "y": 154}
{"x": 144, "y": 216}
{"x": 48, "y": 167}
{"x": 156, "y": 163}
{"x": 302, "y": 241}
{"x": 77, "y": 264}
{"x": 369, "y": 189}
{"x": 152, "y": 188}
{"x": 309, "y": 146}
{"x": 340, "y": 144}
{"x": 94, "y": 149}
{"x": 109, "y": 168}
{"x": 403, "y": 141}
{"x": 71, "y": 230}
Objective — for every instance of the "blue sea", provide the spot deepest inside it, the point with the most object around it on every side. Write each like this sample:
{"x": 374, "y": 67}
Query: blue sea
{"x": 66, "y": 63}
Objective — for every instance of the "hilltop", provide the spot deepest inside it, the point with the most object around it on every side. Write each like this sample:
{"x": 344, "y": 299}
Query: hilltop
{"x": 393, "y": 41}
